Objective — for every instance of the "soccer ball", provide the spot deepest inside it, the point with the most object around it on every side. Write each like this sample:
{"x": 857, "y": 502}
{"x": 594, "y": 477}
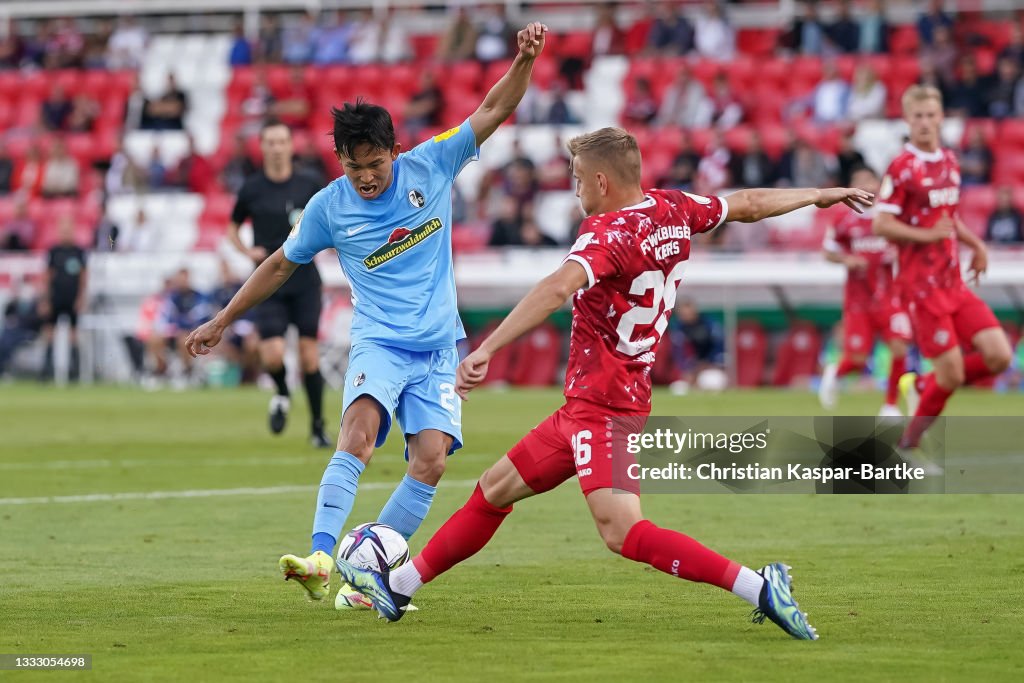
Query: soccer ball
{"x": 372, "y": 546}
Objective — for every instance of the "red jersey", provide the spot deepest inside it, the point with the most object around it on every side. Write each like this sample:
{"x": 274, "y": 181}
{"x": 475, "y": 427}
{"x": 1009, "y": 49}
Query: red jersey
{"x": 919, "y": 188}
{"x": 865, "y": 287}
{"x": 634, "y": 260}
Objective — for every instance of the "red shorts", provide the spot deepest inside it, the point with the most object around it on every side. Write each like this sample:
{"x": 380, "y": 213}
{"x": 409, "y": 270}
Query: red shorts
{"x": 579, "y": 438}
{"x": 938, "y": 329}
{"x": 887, "y": 321}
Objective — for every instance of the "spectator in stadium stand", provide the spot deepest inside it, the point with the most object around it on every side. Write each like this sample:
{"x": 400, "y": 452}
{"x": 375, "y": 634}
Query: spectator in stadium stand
{"x": 127, "y": 44}
{"x": 867, "y": 97}
{"x": 942, "y": 52}
{"x": 505, "y": 228}
{"x": 683, "y": 170}
{"x": 807, "y": 33}
{"x": 94, "y": 56}
{"x": 609, "y": 39}
{"x": 299, "y": 37}
{"x": 553, "y": 174}
{"x": 810, "y": 164}
{"x": 166, "y": 112}
{"x": 6, "y": 170}
{"x": 185, "y": 310}
{"x": 10, "y": 47}
{"x": 671, "y": 34}
{"x": 268, "y": 43}
{"x": 848, "y": 159}
{"x": 1001, "y": 89}
{"x": 1015, "y": 48}
{"x": 311, "y": 162}
{"x": 830, "y": 100}
{"x": 238, "y": 167}
{"x": 124, "y": 175}
{"x": 753, "y": 168}
{"x": 966, "y": 92}
{"x": 84, "y": 112}
{"x": 64, "y": 46}
{"x": 713, "y": 37}
{"x": 697, "y": 341}
{"x": 726, "y": 110}
{"x": 930, "y": 76}
{"x": 379, "y": 38}
{"x": 292, "y": 106}
{"x": 33, "y": 48}
{"x": 20, "y": 230}
{"x": 144, "y": 238}
{"x": 458, "y": 43}
{"x": 975, "y": 159}
{"x": 55, "y": 110}
{"x": 29, "y": 175}
{"x": 156, "y": 172}
{"x": 713, "y": 169}
{"x": 241, "y": 51}
{"x": 559, "y": 112}
{"x": 641, "y": 108}
{"x": 65, "y": 288}
{"x": 424, "y": 108}
{"x": 330, "y": 44}
{"x": 22, "y": 322}
{"x": 494, "y": 35}
{"x": 1005, "y": 224}
{"x": 931, "y": 19}
{"x": 530, "y": 234}
{"x": 61, "y": 174}
{"x": 844, "y": 32}
{"x": 873, "y": 30}
{"x": 685, "y": 103}
{"x": 194, "y": 172}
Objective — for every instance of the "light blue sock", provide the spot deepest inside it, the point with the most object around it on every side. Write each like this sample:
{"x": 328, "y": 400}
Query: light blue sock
{"x": 408, "y": 505}
{"x": 334, "y": 502}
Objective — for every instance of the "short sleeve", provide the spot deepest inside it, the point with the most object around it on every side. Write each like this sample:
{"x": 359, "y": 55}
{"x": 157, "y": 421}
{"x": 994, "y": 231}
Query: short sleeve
{"x": 704, "y": 213}
{"x": 600, "y": 250}
{"x": 451, "y": 150}
{"x": 311, "y": 233}
{"x": 892, "y": 194}
{"x": 241, "y": 212}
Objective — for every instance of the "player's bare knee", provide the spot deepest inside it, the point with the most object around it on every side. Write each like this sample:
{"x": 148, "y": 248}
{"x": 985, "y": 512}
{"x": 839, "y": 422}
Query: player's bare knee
{"x": 428, "y": 467}
{"x": 613, "y": 535}
{"x": 997, "y": 360}
{"x": 357, "y": 440}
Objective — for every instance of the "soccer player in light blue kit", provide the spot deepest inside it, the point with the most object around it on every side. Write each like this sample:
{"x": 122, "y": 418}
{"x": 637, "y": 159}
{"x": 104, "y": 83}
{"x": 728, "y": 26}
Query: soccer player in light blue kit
{"x": 389, "y": 218}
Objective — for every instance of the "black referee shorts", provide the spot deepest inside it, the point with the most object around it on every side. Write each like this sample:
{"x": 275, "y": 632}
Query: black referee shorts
{"x": 302, "y": 309}
{"x": 62, "y": 306}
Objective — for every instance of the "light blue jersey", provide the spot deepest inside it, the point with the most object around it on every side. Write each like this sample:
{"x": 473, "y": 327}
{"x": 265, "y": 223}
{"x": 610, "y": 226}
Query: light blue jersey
{"x": 395, "y": 249}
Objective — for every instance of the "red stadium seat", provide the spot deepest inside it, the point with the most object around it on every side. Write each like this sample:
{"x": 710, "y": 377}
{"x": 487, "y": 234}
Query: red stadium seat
{"x": 903, "y": 40}
{"x": 1011, "y": 134}
{"x": 988, "y": 129}
{"x": 1009, "y": 168}
{"x": 424, "y": 46}
{"x": 538, "y": 355}
{"x": 737, "y": 138}
{"x": 500, "y": 367}
{"x": 664, "y": 371}
{"x": 797, "y": 359}
{"x": 774, "y": 138}
{"x": 751, "y": 353}
{"x": 575, "y": 44}
{"x": 759, "y": 42}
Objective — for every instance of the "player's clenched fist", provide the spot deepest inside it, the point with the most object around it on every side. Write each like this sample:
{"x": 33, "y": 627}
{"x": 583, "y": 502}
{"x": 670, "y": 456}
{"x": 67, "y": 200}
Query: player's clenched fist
{"x": 531, "y": 39}
{"x": 202, "y": 339}
{"x": 471, "y": 372}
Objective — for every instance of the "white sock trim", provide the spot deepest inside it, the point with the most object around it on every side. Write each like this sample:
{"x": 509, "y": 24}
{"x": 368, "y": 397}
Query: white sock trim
{"x": 748, "y": 585}
{"x": 406, "y": 580}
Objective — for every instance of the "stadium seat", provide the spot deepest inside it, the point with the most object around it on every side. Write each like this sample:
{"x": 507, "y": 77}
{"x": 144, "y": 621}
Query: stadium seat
{"x": 903, "y": 40}
{"x": 538, "y": 355}
{"x": 797, "y": 358}
{"x": 751, "y": 353}
{"x": 500, "y": 367}
{"x": 758, "y": 42}
{"x": 664, "y": 370}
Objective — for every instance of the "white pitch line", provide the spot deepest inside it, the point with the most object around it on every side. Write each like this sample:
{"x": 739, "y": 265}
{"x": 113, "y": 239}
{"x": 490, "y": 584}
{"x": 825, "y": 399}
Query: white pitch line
{"x": 204, "y": 493}
{"x": 258, "y": 461}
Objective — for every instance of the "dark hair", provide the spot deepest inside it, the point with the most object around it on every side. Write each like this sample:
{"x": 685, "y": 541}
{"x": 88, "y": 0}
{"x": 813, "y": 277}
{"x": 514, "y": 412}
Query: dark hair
{"x": 857, "y": 168}
{"x": 273, "y": 123}
{"x": 362, "y": 123}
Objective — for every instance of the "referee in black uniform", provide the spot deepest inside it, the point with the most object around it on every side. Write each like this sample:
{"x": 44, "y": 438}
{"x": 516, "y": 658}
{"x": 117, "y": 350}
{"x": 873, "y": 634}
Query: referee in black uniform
{"x": 273, "y": 200}
{"x": 65, "y": 293}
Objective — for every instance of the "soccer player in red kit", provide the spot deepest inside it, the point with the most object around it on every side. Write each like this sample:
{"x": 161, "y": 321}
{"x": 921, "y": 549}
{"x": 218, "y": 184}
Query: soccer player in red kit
{"x": 871, "y": 307}
{"x": 623, "y": 270}
{"x": 917, "y": 209}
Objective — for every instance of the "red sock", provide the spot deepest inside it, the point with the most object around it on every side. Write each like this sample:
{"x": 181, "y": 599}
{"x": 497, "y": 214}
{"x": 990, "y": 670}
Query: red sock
{"x": 846, "y": 366}
{"x": 892, "y": 392}
{"x": 679, "y": 555}
{"x": 461, "y": 537}
{"x": 933, "y": 400}
{"x": 975, "y": 368}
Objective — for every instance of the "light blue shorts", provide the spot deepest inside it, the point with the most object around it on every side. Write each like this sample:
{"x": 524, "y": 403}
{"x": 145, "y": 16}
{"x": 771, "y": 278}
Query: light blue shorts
{"x": 418, "y": 387}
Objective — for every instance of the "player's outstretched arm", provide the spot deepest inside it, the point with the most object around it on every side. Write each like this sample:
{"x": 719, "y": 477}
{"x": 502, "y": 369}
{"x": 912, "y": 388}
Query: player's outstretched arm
{"x": 263, "y": 282}
{"x": 750, "y": 206}
{"x": 545, "y": 298}
{"x": 891, "y": 228}
{"x": 506, "y": 94}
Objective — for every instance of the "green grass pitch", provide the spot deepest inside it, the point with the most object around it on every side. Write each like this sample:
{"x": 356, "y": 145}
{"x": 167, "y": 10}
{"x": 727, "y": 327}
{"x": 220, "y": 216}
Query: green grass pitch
{"x": 922, "y": 588}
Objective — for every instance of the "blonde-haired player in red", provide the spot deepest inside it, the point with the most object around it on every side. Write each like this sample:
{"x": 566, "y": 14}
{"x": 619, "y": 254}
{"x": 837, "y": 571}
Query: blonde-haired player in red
{"x": 871, "y": 306}
{"x": 917, "y": 209}
{"x": 622, "y": 274}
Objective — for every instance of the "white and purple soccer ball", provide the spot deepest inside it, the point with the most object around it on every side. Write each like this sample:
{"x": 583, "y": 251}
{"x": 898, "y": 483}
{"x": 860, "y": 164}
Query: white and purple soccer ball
{"x": 372, "y": 546}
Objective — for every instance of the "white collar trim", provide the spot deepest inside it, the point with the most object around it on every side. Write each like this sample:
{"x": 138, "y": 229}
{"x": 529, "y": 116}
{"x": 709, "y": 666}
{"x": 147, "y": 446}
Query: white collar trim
{"x": 924, "y": 156}
{"x": 645, "y": 204}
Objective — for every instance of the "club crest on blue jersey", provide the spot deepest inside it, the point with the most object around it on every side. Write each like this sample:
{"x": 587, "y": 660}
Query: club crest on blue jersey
{"x": 400, "y": 241}
{"x": 416, "y": 199}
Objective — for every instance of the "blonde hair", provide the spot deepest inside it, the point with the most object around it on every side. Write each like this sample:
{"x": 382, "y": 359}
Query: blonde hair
{"x": 613, "y": 149}
{"x": 920, "y": 93}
